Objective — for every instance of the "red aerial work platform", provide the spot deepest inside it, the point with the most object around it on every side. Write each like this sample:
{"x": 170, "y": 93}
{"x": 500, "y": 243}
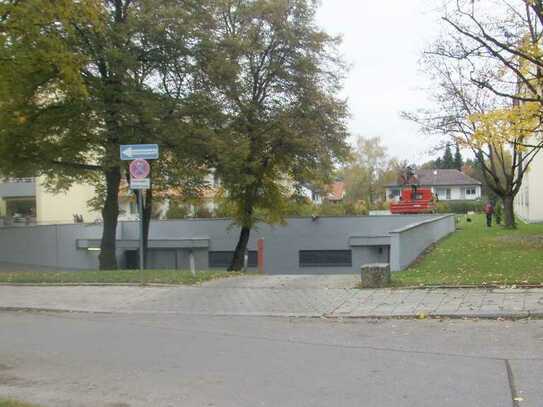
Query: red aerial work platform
{"x": 414, "y": 200}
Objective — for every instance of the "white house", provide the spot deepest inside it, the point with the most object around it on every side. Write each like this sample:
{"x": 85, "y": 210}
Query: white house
{"x": 332, "y": 193}
{"x": 447, "y": 185}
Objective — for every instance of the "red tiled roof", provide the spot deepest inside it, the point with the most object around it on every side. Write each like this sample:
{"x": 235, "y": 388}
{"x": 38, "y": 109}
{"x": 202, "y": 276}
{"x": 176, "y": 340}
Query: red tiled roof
{"x": 336, "y": 191}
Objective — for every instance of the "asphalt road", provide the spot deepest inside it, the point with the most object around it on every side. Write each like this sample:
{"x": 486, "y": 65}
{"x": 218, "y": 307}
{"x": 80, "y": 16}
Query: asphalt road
{"x": 112, "y": 360}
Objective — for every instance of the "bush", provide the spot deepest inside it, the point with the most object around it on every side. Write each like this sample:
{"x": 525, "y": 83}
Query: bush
{"x": 298, "y": 207}
{"x": 202, "y": 212}
{"x": 459, "y": 207}
{"x": 498, "y": 212}
{"x": 442, "y": 207}
{"x": 224, "y": 208}
{"x": 331, "y": 209}
{"x": 177, "y": 211}
{"x": 358, "y": 208}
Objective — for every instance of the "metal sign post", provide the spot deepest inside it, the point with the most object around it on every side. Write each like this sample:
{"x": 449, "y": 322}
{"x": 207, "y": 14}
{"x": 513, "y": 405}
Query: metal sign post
{"x": 141, "y": 254}
{"x": 140, "y": 182}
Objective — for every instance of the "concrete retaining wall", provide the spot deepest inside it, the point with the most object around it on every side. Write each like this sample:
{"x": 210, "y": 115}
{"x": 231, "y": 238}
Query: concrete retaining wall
{"x": 48, "y": 246}
{"x": 408, "y": 242}
{"x": 368, "y": 238}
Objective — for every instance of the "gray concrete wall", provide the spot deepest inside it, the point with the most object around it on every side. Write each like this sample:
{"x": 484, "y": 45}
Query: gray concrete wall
{"x": 408, "y": 242}
{"x": 368, "y": 238}
{"x": 283, "y": 242}
{"x": 49, "y": 246}
{"x": 29, "y": 245}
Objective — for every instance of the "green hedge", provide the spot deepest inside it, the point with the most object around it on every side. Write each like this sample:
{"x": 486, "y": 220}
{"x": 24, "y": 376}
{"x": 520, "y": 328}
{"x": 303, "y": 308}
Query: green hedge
{"x": 460, "y": 207}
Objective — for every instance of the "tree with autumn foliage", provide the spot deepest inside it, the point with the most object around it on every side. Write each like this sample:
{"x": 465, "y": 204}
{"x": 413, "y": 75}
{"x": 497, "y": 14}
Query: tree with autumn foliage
{"x": 502, "y": 135}
{"x": 80, "y": 78}
{"x": 487, "y": 69}
{"x": 501, "y": 41}
{"x": 506, "y": 133}
{"x": 368, "y": 172}
{"x": 278, "y": 120}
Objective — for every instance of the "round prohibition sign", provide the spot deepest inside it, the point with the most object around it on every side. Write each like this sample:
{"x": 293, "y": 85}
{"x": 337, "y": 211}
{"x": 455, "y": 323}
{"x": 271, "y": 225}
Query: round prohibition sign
{"x": 139, "y": 169}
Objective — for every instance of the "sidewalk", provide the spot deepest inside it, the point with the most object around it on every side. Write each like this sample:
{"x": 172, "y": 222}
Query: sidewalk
{"x": 280, "y": 296}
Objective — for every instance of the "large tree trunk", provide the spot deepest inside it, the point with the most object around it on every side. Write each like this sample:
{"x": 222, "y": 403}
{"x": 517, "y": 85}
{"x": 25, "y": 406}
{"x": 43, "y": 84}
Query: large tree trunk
{"x": 110, "y": 214}
{"x": 508, "y": 212}
{"x": 241, "y": 248}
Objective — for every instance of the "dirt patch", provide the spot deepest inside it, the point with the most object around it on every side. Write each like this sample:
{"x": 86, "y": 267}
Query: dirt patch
{"x": 7, "y": 379}
{"x": 530, "y": 240}
{"x": 14, "y": 381}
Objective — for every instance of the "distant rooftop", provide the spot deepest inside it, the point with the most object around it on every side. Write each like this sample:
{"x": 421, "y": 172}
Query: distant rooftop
{"x": 439, "y": 177}
{"x": 336, "y": 191}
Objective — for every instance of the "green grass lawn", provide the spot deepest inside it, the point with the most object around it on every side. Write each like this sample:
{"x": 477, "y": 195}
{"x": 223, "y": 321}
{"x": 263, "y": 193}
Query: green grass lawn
{"x": 113, "y": 277}
{"x": 13, "y": 403}
{"x": 479, "y": 255}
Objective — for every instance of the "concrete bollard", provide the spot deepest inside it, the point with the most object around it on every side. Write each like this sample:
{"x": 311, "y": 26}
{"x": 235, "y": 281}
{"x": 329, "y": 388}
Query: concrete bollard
{"x": 376, "y": 275}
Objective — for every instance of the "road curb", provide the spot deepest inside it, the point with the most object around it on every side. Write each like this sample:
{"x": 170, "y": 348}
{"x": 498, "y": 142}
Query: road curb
{"x": 51, "y": 310}
{"x": 505, "y": 316}
{"x": 148, "y": 285}
{"x": 492, "y": 289}
{"x": 516, "y": 288}
{"x": 488, "y": 316}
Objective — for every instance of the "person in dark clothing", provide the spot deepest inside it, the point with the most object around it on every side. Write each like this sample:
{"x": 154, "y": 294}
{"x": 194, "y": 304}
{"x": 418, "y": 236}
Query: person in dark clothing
{"x": 489, "y": 210}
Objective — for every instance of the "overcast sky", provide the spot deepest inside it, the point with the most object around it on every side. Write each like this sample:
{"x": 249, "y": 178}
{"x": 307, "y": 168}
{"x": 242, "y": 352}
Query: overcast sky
{"x": 383, "y": 41}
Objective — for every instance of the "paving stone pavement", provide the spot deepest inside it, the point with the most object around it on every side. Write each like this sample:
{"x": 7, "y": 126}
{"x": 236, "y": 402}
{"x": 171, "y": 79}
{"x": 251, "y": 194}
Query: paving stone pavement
{"x": 297, "y": 296}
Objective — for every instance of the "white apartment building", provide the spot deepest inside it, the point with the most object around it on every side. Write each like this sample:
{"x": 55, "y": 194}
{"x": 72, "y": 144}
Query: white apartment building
{"x": 529, "y": 200}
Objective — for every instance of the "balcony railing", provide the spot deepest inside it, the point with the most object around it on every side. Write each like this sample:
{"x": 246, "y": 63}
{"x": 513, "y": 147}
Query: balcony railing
{"x": 17, "y": 188}
{"x": 18, "y": 180}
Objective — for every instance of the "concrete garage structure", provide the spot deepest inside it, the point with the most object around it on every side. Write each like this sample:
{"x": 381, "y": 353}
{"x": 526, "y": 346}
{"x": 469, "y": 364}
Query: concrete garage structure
{"x": 321, "y": 245}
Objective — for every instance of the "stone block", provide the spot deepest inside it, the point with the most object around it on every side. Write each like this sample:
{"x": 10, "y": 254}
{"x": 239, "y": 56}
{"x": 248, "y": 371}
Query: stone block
{"x": 376, "y": 275}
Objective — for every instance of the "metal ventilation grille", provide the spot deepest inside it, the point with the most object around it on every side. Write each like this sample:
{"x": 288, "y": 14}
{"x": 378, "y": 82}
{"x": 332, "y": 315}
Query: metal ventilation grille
{"x": 224, "y": 258}
{"x": 325, "y": 258}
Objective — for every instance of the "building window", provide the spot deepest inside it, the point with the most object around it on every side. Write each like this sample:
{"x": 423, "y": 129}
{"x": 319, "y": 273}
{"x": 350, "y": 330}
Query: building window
{"x": 216, "y": 181}
{"x": 471, "y": 191}
{"x": 443, "y": 193}
{"x": 325, "y": 258}
{"x": 394, "y": 194}
{"x": 223, "y": 259}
